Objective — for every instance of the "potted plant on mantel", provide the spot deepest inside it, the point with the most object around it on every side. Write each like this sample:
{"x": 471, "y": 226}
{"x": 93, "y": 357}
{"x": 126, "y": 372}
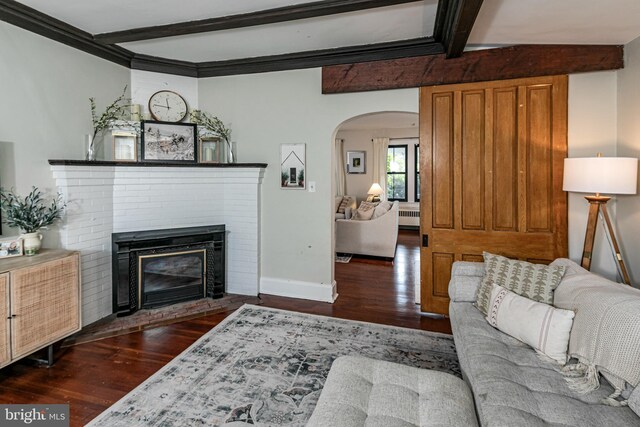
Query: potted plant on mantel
{"x": 116, "y": 112}
{"x": 30, "y": 215}
{"x": 213, "y": 125}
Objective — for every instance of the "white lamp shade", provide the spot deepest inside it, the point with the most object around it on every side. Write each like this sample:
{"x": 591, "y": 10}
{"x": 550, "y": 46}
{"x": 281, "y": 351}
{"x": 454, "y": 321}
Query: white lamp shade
{"x": 605, "y": 175}
{"x": 375, "y": 189}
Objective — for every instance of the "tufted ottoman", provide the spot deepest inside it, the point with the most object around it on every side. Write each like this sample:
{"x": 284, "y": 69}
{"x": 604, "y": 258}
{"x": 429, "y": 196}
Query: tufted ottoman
{"x": 367, "y": 392}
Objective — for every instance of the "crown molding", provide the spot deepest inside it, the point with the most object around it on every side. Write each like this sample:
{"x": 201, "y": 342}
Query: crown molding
{"x": 164, "y": 65}
{"x": 37, "y": 22}
{"x": 320, "y": 58}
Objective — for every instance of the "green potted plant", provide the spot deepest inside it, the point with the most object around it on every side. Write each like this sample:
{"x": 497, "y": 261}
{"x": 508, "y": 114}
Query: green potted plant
{"x": 117, "y": 111}
{"x": 213, "y": 125}
{"x": 30, "y": 214}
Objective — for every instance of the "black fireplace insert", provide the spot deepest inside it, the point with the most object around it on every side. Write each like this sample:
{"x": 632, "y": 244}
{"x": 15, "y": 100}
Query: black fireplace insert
{"x": 153, "y": 268}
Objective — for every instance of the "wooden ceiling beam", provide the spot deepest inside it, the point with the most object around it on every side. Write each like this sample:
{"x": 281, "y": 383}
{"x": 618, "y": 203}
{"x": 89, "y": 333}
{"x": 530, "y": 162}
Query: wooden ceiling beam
{"x": 474, "y": 66}
{"x": 262, "y": 17}
{"x": 454, "y": 22}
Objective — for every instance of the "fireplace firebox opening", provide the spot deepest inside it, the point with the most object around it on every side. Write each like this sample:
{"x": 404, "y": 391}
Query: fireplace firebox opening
{"x": 154, "y": 268}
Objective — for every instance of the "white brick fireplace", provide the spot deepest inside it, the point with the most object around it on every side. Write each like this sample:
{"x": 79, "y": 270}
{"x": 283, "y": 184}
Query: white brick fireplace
{"x": 104, "y": 199}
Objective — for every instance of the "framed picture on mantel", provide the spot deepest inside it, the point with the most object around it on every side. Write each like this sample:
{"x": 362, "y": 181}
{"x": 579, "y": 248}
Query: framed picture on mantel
{"x": 169, "y": 142}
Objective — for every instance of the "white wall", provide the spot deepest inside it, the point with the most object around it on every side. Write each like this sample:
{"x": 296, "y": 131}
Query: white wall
{"x": 45, "y": 108}
{"x": 628, "y": 209}
{"x": 266, "y": 110}
{"x": 592, "y": 129}
{"x": 145, "y": 83}
{"x": 49, "y": 84}
{"x": 360, "y": 140}
{"x": 287, "y": 107}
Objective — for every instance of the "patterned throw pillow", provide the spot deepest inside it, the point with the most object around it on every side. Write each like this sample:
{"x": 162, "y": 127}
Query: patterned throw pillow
{"x": 346, "y": 201}
{"x": 534, "y": 281}
{"x": 365, "y": 211}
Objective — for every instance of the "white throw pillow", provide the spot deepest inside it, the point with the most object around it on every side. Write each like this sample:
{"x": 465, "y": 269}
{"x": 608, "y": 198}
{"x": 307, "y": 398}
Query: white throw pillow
{"x": 381, "y": 209}
{"x": 365, "y": 211}
{"x": 543, "y": 327}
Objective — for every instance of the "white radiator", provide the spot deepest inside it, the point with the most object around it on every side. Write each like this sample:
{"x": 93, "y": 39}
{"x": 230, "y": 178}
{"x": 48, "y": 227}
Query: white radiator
{"x": 408, "y": 216}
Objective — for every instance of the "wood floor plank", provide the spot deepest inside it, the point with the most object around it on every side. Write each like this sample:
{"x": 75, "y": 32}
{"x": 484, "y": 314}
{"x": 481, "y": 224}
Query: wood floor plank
{"x": 92, "y": 376}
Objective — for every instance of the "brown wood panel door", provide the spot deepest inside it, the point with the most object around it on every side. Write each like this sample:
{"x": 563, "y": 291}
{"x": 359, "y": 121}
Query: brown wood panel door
{"x": 45, "y": 301}
{"x": 5, "y": 353}
{"x": 491, "y": 159}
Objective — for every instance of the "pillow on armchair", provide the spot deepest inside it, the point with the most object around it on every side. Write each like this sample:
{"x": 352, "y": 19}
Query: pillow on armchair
{"x": 365, "y": 211}
{"x": 346, "y": 201}
{"x": 381, "y": 209}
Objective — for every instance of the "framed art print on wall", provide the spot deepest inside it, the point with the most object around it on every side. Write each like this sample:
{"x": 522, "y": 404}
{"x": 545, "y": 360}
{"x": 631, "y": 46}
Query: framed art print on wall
{"x": 356, "y": 161}
{"x": 292, "y": 166}
{"x": 169, "y": 142}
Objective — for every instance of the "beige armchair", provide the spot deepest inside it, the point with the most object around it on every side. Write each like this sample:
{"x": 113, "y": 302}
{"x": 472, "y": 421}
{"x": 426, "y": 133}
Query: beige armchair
{"x": 376, "y": 237}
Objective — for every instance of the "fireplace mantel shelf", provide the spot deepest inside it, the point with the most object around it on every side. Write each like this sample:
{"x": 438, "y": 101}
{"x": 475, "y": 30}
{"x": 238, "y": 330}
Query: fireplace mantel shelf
{"x": 57, "y": 162}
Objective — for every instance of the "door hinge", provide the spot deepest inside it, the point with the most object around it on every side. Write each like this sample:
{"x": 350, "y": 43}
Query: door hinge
{"x": 425, "y": 240}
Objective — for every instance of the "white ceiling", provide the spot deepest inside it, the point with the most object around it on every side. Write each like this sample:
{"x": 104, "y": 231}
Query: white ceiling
{"x": 384, "y": 120}
{"x": 385, "y": 24}
{"x": 500, "y": 22}
{"x": 557, "y": 22}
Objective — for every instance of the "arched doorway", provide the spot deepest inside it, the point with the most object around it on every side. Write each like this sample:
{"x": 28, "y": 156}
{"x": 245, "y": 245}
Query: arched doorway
{"x": 355, "y": 138}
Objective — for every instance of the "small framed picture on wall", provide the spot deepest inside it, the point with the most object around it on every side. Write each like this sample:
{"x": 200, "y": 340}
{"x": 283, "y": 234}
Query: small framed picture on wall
{"x": 292, "y": 166}
{"x": 356, "y": 161}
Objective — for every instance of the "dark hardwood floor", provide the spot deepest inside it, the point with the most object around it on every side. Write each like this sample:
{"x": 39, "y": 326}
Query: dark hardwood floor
{"x": 93, "y": 376}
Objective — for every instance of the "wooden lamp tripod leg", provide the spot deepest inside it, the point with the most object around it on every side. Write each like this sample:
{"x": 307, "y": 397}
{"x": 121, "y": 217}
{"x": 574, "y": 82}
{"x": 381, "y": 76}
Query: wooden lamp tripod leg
{"x": 615, "y": 247}
{"x": 597, "y": 203}
{"x": 590, "y": 236}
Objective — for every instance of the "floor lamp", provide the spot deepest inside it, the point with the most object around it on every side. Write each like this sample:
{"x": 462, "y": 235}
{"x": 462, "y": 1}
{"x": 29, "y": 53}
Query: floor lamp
{"x": 601, "y": 175}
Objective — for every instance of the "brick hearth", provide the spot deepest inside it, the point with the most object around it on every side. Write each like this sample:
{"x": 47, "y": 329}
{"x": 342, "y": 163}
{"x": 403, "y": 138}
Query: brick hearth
{"x": 147, "y": 319}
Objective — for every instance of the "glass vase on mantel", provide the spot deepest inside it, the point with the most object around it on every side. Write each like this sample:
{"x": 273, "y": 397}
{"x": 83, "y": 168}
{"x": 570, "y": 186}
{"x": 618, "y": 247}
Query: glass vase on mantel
{"x": 231, "y": 152}
{"x": 89, "y": 148}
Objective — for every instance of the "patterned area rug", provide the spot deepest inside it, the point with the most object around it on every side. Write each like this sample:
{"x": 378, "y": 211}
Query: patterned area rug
{"x": 266, "y": 367}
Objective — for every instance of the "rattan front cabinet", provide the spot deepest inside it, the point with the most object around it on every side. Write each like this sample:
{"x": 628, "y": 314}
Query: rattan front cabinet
{"x": 40, "y": 299}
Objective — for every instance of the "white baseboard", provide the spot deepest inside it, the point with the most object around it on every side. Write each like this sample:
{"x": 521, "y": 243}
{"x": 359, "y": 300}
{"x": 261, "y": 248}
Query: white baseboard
{"x": 298, "y": 289}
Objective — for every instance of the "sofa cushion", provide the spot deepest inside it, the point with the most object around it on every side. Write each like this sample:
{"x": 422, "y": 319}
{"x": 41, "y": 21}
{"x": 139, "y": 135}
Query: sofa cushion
{"x": 365, "y": 211}
{"x": 542, "y": 326}
{"x": 381, "y": 209}
{"x": 346, "y": 201}
{"x": 337, "y": 201}
{"x": 534, "y": 281}
{"x": 634, "y": 401}
{"x": 512, "y": 386}
{"x": 465, "y": 279}
{"x": 366, "y": 392}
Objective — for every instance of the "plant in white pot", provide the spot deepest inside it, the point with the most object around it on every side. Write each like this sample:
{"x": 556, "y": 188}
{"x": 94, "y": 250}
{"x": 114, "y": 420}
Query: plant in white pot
{"x": 30, "y": 214}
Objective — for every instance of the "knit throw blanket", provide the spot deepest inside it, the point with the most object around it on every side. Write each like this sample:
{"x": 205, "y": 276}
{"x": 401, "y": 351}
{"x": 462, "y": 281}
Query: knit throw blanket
{"x": 605, "y": 338}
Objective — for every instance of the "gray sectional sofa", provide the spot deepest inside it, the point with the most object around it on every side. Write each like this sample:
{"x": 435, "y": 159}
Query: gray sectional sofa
{"x": 511, "y": 385}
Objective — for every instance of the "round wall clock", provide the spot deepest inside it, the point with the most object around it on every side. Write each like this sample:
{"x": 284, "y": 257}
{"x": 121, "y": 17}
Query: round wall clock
{"x": 167, "y": 106}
